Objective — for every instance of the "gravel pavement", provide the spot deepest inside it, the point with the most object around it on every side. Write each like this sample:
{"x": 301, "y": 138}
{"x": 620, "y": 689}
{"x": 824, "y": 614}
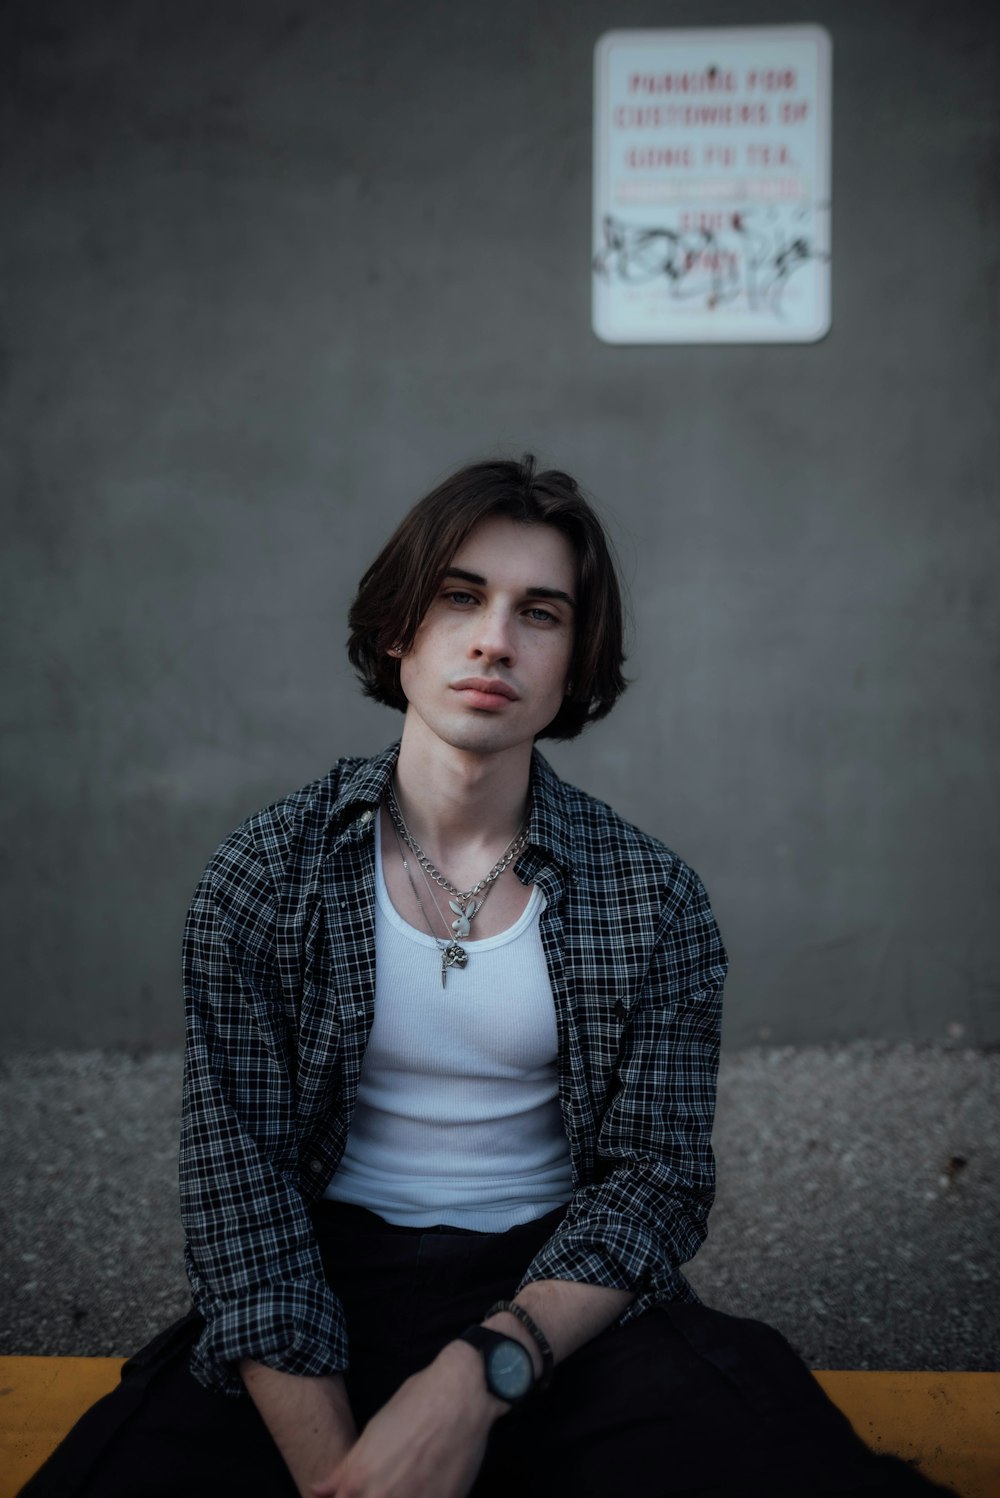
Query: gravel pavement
{"x": 858, "y": 1208}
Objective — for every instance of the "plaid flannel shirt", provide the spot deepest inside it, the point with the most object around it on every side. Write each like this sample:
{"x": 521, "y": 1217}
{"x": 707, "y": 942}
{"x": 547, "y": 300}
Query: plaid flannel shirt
{"x": 279, "y": 968}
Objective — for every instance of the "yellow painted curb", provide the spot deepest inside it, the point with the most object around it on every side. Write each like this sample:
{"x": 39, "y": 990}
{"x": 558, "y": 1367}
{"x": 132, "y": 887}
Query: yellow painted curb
{"x": 40, "y": 1399}
{"x": 946, "y": 1424}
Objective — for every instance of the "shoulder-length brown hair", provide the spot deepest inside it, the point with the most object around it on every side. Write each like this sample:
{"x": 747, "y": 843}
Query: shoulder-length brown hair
{"x": 398, "y": 588}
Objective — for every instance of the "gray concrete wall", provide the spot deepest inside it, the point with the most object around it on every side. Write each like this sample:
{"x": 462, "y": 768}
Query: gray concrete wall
{"x": 271, "y": 269}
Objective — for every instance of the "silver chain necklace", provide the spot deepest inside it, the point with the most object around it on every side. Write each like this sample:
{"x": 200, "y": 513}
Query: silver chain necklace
{"x": 462, "y": 902}
{"x": 506, "y": 858}
{"x": 452, "y": 955}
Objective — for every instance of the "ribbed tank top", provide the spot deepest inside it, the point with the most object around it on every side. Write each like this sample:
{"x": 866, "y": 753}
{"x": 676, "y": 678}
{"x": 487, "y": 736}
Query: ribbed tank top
{"x": 457, "y": 1119}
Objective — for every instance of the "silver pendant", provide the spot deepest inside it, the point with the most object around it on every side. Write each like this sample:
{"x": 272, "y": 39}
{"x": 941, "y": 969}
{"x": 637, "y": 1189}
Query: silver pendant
{"x": 452, "y": 956}
{"x": 462, "y": 925}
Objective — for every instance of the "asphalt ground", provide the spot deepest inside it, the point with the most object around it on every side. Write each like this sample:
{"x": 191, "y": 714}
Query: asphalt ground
{"x": 857, "y": 1211}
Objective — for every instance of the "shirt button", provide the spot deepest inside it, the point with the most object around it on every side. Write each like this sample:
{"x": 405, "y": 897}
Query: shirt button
{"x": 366, "y": 817}
{"x": 315, "y": 1166}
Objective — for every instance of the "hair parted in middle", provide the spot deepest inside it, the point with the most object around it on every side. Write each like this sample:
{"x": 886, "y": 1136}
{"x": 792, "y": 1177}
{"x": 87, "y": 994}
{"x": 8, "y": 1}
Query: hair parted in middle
{"x": 398, "y": 588}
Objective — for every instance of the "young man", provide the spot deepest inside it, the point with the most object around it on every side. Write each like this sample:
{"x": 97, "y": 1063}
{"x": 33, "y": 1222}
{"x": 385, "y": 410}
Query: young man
{"x": 453, "y": 1031}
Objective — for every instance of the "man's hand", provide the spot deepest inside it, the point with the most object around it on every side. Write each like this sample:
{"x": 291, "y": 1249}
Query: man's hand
{"x": 428, "y": 1441}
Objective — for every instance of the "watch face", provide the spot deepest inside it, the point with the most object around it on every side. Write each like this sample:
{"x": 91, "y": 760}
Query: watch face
{"x": 509, "y": 1370}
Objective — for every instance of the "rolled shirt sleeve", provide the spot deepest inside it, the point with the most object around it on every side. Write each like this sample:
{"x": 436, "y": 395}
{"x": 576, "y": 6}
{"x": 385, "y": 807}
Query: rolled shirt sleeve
{"x": 252, "y": 1257}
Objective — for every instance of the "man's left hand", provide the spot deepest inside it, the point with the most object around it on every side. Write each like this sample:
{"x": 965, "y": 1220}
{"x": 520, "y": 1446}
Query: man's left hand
{"x": 428, "y": 1441}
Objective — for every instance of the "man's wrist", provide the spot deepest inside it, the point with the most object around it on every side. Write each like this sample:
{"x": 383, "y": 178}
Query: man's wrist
{"x": 508, "y": 1324}
{"x": 463, "y": 1363}
{"x": 542, "y": 1356}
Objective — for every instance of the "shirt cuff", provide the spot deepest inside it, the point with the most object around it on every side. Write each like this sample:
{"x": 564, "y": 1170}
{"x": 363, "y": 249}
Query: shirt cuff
{"x": 294, "y": 1328}
{"x": 616, "y": 1253}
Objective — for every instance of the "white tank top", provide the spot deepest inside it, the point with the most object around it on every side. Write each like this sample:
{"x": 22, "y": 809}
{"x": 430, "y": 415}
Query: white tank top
{"x": 457, "y": 1118}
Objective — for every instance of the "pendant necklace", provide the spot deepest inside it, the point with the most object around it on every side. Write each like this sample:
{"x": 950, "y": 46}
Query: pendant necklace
{"x": 452, "y": 955}
{"x": 463, "y": 902}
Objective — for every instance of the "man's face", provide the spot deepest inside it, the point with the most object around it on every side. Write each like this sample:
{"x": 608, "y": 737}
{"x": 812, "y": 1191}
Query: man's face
{"x": 488, "y": 666}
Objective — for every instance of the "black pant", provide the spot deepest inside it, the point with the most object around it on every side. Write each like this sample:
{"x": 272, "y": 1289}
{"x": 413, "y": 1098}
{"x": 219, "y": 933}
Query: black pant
{"x": 684, "y": 1400}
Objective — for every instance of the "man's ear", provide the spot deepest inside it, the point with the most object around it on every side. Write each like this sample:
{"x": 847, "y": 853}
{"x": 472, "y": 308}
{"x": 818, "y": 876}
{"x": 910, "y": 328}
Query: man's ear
{"x": 396, "y": 651}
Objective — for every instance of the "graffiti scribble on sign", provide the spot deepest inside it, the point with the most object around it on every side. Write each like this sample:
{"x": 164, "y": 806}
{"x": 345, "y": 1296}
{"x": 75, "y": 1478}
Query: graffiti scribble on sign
{"x": 752, "y": 257}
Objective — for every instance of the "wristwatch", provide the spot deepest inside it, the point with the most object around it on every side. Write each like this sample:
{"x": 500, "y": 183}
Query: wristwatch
{"x": 510, "y": 1374}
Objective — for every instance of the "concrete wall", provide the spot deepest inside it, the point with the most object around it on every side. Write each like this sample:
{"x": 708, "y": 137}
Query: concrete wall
{"x": 270, "y": 269}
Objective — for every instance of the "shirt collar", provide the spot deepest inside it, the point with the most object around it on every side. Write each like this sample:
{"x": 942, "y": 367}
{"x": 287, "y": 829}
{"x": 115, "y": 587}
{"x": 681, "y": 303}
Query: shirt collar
{"x": 362, "y": 786}
{"x": 550, "y": 829}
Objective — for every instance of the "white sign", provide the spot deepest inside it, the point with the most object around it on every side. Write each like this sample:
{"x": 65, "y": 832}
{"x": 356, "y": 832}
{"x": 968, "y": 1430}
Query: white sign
{"x": 712, "y": 185}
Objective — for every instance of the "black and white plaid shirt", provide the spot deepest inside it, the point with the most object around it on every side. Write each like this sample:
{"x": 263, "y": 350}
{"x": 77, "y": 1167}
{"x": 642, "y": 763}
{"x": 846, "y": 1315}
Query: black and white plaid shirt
{"x": 279, "y": 968}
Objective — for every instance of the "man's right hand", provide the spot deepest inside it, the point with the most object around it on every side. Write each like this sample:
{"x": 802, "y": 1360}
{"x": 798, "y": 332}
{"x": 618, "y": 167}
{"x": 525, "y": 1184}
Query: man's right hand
{"x": 310, "y": 1420}
{"x": 428, "y": 1441}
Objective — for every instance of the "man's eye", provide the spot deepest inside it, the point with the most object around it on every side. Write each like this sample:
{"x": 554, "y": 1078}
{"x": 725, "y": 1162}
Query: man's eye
{"x": 542, "y": 615}
{"x": 458, "y": 595}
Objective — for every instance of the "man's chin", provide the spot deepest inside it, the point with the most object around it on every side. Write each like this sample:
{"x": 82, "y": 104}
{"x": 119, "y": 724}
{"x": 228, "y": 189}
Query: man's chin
{"x": 480, "y": 734}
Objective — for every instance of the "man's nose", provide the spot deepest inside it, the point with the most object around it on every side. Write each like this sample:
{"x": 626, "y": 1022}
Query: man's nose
{"x": 493, "y": 640}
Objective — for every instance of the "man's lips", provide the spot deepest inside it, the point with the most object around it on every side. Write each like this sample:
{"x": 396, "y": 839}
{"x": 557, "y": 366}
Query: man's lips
{"x": 484, "y": 686}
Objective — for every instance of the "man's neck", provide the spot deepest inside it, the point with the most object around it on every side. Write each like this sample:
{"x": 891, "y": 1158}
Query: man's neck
{"x": 455, "y": 800}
